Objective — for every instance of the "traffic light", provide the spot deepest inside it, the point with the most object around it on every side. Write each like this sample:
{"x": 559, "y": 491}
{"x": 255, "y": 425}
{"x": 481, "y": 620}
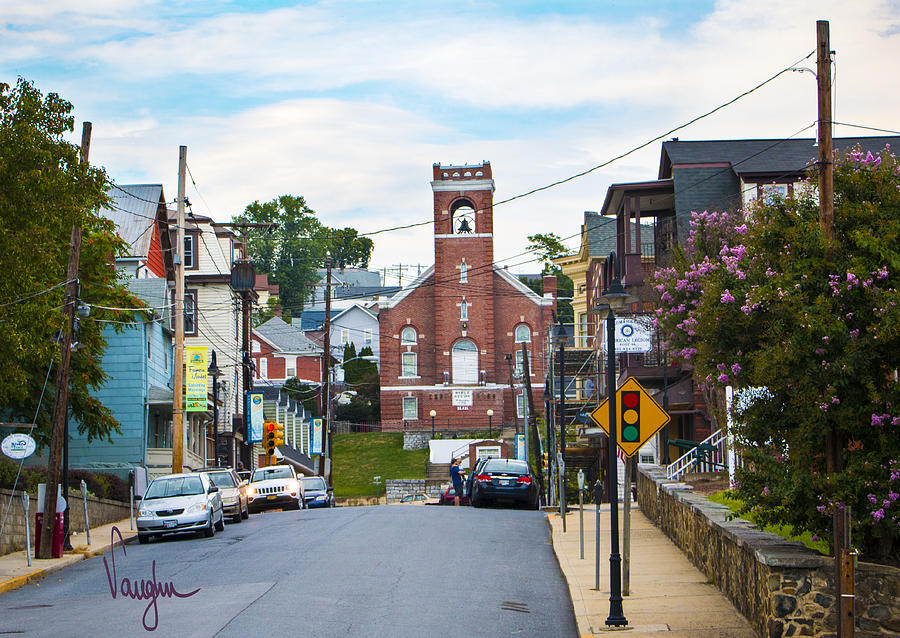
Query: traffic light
{"x": 274, "y": 436}
{"x": 631, "y": 416}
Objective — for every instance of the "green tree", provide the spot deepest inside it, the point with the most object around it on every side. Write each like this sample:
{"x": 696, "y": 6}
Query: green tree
{"x": 548, "y": 246}
{"x": 44, "y": 191}
{"x": 361, "y": 376}
{"x": 347, "y": 248}
{"x": 305, "y": 393}
{"x": 765, "y": 301}
{"x": 292, "y": 253}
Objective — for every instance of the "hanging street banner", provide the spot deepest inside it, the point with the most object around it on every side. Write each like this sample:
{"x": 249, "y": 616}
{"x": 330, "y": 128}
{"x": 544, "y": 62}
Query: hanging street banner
{"x": 254, "y": 414}
{"x": 520, "y": 446}
{"x": 633, "y": 334}
{"x": 195, "y": 397}
{"x": 18, "y": 446}
{"x": 638, "y": 416}
{"x": 315, "y": 436}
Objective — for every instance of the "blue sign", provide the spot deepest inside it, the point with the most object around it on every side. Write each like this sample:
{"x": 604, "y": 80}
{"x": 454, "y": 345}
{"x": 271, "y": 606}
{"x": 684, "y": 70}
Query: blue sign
{"x": 254, "y": 415}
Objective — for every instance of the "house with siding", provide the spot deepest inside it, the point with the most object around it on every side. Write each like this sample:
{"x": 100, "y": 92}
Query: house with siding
{"x": 212, "y": 318}
{"x": 281, "y": 352}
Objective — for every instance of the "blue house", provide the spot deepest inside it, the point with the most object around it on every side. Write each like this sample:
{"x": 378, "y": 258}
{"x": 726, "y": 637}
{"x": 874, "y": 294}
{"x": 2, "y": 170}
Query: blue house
{"x": 139, "y": 363}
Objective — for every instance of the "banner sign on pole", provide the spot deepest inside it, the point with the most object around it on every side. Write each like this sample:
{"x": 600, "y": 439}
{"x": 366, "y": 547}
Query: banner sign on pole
{"x": 520, "y": 446}
{"x": 196, "y": 394}
{"x": 315, "y": 436}
{"x": 254, "y": 414}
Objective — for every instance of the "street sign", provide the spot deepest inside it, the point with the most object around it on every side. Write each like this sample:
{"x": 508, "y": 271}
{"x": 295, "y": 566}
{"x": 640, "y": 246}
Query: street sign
{"x": 638, "y": 416}
{"x": 633, "y": 334}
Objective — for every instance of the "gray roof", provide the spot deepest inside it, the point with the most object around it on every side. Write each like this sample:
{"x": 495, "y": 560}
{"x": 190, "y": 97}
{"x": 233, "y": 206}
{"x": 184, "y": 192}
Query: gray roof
{"x": 353, "y": 277}
{"x": 601, "y": 234}
{"x": 134, "y": 209}
{"x": 286, "y": 337}
{"x": 759, "y": 156}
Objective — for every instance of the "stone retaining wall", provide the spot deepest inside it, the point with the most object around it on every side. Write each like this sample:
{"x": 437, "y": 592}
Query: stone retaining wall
{"x": 101, "y": 511}
{"x": 398, "y": 488}
{"x": 415, "y": 440}
{"x": 782, "y": 587}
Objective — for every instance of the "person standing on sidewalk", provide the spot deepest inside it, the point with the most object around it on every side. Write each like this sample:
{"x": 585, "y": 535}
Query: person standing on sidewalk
{"x": 456, "y": 479}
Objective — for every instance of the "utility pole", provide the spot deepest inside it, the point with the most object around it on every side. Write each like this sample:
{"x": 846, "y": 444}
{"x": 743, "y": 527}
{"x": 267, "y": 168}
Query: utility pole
{"x": 532, "y": 420}
{"x": 178, "y": 407}
{"x": 61, "y": 401}
{"x": 326, "y": 374}
{"x": 826, "y": 160}
{"x": 833, "y": 440}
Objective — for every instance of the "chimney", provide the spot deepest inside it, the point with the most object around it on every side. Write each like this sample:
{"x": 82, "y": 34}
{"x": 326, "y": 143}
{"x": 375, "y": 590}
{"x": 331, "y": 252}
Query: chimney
{"x": 549, "y": 282}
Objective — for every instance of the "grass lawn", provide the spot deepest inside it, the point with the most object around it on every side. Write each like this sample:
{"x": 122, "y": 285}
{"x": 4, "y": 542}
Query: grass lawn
{"x": 785, "y": 531}
{"x": 359, "y": 457}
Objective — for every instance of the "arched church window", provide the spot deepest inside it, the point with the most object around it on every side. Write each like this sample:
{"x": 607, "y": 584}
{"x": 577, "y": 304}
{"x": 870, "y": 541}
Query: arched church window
{"x": 464, "y": 355}
{"x": 408, "y": 335}
{"x": 523, "y": 333}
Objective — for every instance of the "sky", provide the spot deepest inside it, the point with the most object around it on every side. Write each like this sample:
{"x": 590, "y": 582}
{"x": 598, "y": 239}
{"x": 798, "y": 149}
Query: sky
{"x": 350, "y": 103}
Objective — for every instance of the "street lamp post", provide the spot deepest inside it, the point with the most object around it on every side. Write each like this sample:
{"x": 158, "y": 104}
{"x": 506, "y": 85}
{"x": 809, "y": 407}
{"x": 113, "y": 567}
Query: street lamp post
{"x": 215, "y": 373}
{"x": 613, "y": 298}
{"x": 490, "y": 414}
{"x": 433, "y": 414}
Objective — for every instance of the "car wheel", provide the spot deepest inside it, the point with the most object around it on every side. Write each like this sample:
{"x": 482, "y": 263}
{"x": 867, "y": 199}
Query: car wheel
{"x": 143, "y": 539}
{"x": 220, "y": 526}
{"x": 210, "y": 529}
{"x": 237, "y": 518}
{"x": 245, "y": 513}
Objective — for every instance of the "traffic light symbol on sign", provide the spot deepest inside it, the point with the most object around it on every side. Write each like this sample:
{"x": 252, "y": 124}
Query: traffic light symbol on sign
{"x": 631, "y": 416}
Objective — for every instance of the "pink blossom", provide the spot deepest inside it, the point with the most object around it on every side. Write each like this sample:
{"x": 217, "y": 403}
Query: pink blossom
{"x": 735, "y": 368}
{"x": 821, "y": 509}
{"x": 723, "y": 378}
{"x": 878, "y": 514}
{"x": 726, "y": 297}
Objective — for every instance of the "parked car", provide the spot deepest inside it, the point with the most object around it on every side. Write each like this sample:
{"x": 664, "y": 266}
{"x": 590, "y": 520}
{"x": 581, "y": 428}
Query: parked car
{"x": 414, "y": 499}
{"x": 505, "y": 480}
{"x": 232, "y": 489}
{"x": 470, "y": 479}
{"x": 275, "y": 486}
{"x": 447, "y": 497}
{"x": 178, "y": 503}
{"x": 316, "y": 492}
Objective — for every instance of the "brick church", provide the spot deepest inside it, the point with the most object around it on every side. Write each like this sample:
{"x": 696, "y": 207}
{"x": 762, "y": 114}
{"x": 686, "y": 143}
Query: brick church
{"x": 451, "y": 341}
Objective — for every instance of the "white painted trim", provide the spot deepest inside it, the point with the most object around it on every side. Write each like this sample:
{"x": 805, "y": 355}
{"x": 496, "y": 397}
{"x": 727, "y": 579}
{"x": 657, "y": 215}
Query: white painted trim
{"x": 402, "y": 294}
{"x": 463, "y": 236}
{"x": 463, "y": 185}
{"x": 518, "y": 285}
{"x": 441, "y": 387}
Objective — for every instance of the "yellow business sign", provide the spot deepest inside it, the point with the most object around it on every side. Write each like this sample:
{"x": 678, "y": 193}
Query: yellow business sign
{"x": 195, "y": 393}
{"x": 638, "y": 416}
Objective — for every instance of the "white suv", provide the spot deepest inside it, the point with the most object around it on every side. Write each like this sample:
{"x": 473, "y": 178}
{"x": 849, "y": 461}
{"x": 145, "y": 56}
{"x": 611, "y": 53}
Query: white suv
{"x": 275, "y": 486}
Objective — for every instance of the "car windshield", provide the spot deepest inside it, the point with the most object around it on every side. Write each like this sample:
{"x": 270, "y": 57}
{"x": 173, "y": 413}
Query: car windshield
{"x": 222, "y": 479}
{"x": 314, "y": 483}
{"x": 180, "y": 486}
{"x": 502, "y": 465}
{"x": 272, "y": 473}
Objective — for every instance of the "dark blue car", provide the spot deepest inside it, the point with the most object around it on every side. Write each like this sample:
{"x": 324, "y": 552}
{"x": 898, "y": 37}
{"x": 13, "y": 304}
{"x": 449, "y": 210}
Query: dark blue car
{"x": 316, "y": 492}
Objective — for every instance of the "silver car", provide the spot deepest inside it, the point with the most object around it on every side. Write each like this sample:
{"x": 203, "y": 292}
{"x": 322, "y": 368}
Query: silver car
{"x": 178, "y": 503}
{"x": 232, "y": 490}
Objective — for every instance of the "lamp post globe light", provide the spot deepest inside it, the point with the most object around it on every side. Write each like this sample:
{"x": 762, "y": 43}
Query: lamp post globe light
{"x": 490, "y": 414}
{"x": 433, "y": 414}
{"x": 614, "y": 298}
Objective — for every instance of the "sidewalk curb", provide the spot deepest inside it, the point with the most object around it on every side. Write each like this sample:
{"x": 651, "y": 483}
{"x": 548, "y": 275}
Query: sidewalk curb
{"x": 57, "y": 564}
{"x": 575, "y": 596}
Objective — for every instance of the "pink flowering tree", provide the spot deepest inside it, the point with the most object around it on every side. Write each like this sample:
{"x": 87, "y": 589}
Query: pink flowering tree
{"x": 760, "y": 299}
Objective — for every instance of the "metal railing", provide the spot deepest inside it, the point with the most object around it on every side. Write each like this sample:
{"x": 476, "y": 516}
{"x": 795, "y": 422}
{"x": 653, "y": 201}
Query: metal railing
{"x": 709, "y": 455}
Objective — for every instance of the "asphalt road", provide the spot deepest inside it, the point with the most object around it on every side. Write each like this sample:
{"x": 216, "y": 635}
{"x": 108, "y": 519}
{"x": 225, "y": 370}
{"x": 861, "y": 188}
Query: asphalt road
{"x": 392, "y": 571}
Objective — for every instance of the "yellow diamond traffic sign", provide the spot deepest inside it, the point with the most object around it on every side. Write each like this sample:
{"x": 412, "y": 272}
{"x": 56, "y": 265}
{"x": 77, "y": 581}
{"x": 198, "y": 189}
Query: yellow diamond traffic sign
{"x": 643, "y": 416}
